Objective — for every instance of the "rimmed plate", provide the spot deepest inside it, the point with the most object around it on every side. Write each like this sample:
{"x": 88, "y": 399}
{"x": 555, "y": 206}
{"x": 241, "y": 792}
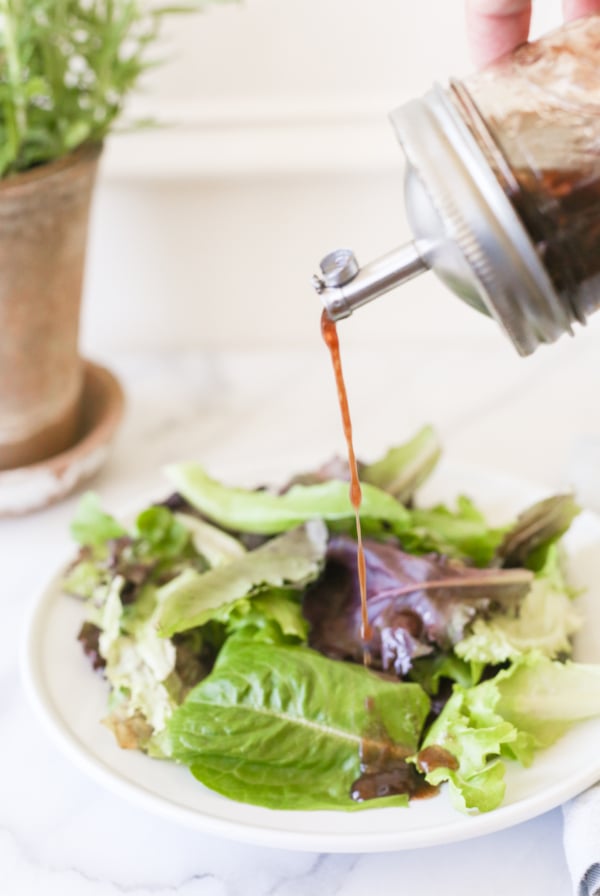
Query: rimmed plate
{"x": 71, "y": 700}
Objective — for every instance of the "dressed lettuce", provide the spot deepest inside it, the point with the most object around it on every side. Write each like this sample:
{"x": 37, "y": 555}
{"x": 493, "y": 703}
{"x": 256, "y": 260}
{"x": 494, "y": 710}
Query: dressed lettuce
{"x": 227, "y": 622}
{"x": 416, "y": 604}
{"x": 522, "y": 709}
{"x": 263, "y": 727}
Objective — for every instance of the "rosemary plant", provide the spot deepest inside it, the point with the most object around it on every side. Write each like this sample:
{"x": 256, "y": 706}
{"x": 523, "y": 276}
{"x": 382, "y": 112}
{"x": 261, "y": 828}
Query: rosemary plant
{"x": 66, "y": 67}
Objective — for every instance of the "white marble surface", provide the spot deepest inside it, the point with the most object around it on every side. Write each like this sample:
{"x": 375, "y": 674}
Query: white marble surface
{"x": 60, "y": 834}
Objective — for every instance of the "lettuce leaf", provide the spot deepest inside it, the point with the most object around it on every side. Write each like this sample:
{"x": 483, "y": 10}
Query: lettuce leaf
{"x": 139, "y": 664}
{"x": 265, "y": 513}
{"x": 404, "y": 467}
{"x": 91, "y": 526}
{"x": 216, "y": 546}
{"x": 294, "y": 558}
{"x": 283, "y": 727}
{"x": 399, "y": 472}
{"x": 274, "y": 615}
{"x": 415, "y": 604}
{"x": 463, "y": 532}
{"x": 522, "y": 709}
{"x": 545, "y": 622}
{"x": 536, "y": 529}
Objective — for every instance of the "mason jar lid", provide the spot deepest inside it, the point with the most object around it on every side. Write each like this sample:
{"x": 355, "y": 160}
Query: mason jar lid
{"x": 466, "y": 229}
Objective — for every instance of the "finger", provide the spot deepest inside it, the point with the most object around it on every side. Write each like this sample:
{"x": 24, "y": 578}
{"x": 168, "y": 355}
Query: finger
{"x": 573, "y": 9}
{"x": 495, "y": 27}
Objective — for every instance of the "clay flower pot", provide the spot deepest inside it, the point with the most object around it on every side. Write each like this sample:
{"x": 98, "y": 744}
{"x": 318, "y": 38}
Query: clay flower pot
{"x": 43, "y": 234}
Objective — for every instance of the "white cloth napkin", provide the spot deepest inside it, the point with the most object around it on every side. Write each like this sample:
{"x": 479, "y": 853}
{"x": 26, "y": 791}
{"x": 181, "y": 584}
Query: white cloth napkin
{"x": 581, "y": 830}
{"x": 581, "y": 837}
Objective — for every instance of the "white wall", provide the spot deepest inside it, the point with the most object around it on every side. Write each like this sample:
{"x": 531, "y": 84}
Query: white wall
{"x": 205, "y": 233}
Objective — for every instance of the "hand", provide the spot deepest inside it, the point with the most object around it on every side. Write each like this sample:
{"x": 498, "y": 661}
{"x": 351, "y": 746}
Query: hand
{"x": 495, "y": 27}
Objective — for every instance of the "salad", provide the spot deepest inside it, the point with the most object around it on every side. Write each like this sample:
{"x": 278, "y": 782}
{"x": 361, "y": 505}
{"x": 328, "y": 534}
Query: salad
{"x": 227, "y": 624}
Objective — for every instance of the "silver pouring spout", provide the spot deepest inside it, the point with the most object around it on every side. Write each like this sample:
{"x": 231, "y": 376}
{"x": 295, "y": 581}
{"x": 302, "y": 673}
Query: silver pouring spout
{"x": 344, "y": 286}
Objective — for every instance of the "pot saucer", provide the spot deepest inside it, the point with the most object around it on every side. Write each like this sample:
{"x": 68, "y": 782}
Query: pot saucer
{"x": 24, "y": 489}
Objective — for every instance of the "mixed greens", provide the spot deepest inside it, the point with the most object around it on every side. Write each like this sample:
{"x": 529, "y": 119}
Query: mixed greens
{"x": 227, "y": 624}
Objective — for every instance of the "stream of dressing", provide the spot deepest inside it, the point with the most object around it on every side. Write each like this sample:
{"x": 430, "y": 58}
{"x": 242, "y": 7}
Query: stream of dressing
{"x": 330, "y": 336}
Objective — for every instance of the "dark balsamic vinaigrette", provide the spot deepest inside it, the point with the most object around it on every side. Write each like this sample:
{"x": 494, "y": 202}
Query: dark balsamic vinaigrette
{"x": 384, "y": 770}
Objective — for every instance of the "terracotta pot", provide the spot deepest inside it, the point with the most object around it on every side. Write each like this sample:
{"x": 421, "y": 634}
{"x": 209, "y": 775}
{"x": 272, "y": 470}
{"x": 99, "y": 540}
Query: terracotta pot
{"x": 43, "y": 234}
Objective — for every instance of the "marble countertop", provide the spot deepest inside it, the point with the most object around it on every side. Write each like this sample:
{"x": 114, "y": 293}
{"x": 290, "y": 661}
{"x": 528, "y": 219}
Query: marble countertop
{"x": 60, "y": 833}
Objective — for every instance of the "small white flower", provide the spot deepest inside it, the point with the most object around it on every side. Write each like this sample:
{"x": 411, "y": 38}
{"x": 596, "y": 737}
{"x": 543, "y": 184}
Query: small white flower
{"x": 80, "y": 35}
{"x": 85, "y": 101}
{"x": 128, "y": 49}
{"x": 86, "y": 5}
{"x": 78, "y": 64}
{"x": 42, "y": 102}
{"x": 112, "y": 97}
{"x": 87, "y": 79}
{"x": 71, "y": 80}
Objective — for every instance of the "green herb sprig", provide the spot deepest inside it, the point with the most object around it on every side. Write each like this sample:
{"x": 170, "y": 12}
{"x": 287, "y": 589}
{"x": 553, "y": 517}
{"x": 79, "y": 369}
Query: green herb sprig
{"x": 66, "y": 67}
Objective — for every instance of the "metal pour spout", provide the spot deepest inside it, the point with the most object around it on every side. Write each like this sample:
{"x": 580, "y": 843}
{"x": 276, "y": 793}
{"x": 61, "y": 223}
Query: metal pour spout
{"x": 344, "y": 286}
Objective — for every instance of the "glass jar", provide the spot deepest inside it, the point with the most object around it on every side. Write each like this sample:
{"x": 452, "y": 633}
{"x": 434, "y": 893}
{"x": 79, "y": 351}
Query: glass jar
{"x": 502, "y": 192}
{"x": 536, "y": 115}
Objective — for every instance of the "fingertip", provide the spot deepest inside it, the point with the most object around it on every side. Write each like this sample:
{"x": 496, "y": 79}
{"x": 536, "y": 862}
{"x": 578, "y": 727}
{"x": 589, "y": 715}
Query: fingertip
{"x": 575, "y": 9}
{"x": 491, "y": 36}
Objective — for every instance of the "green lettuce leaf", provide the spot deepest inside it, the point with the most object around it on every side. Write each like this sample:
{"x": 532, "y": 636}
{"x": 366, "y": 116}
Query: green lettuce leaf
{"x": 545, "y": 622}
{"x": 83, "y": 577}
{"x": 462, "y": 533}
{"x": 294, "y": 558}
{"x": 274, "y": 615}
{"x": 91, "y": 525}
{"x": 522, "y": 709}
{"x": 216, "y": 546}
{"x": 265, "y": 513}
{"x": 161, "y": 534}
{"x": 544, "y": 698}
{"x": 428, "y": 671}
{"x": 283, "y": 726}
{"x": 138, "y": 662}
{"x": 405, "y": 467}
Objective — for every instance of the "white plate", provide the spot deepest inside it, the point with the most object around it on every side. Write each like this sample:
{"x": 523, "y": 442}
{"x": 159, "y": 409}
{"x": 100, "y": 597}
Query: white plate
{"x": 71, "y": 700}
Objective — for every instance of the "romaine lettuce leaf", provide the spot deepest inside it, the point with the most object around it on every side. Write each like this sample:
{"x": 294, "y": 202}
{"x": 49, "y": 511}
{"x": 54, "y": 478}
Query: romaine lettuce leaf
{"x": 283, "y": 727}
